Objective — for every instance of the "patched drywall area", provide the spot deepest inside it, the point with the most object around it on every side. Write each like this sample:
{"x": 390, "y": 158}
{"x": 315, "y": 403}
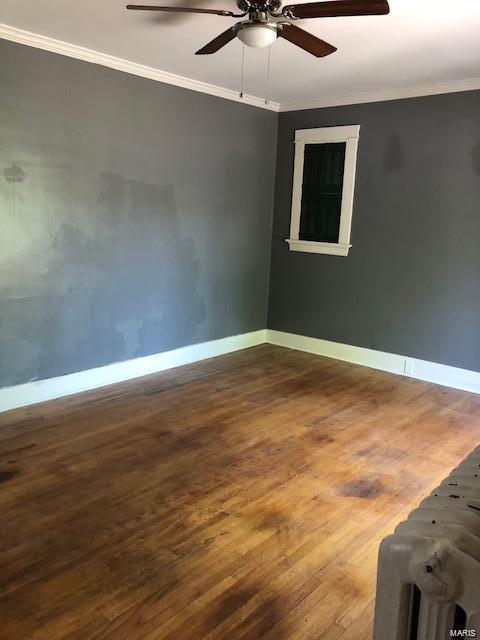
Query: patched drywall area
{"x": 411, "y": 282}
{"x": 135, "y": 216}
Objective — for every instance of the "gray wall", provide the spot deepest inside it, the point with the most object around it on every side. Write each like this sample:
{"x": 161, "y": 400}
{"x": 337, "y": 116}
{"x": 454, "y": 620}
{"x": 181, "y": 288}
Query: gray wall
{"x": 135, "y": 216}
{"x": 411, "y": 284}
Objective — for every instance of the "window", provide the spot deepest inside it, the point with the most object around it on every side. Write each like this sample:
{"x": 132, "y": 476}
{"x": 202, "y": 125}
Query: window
{"x": 323, "y": 186}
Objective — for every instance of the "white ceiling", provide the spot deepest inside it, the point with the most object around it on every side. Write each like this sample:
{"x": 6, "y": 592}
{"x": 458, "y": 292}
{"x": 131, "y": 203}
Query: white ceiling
{"x": 421, "y": 42}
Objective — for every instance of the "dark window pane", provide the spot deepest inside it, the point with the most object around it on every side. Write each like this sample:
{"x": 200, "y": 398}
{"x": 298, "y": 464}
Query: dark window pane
{"x": 322, "y": 192}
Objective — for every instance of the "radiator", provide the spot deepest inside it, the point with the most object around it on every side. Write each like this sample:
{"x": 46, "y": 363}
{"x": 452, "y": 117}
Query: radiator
{"x": 428, "y": 580}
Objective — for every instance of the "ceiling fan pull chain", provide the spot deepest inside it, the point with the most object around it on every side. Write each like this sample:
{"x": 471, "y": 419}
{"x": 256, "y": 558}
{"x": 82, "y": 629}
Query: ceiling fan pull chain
{"x": 267, "y": 91}
{"x": 242, "y": 77}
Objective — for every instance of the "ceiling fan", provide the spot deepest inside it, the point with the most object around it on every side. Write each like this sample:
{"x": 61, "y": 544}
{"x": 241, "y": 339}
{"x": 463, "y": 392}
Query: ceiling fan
{"x": 265, "y": 24}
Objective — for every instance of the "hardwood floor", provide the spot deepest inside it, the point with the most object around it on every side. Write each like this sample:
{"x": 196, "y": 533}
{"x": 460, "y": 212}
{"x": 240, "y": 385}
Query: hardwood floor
{"x": 239, "y": 498}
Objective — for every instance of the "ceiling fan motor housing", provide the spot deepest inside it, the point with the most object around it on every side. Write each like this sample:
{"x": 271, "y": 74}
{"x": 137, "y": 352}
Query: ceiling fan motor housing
{"x": 246, "y": 6}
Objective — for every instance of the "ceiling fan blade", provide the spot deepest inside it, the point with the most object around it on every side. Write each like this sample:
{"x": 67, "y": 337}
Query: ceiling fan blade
{"x": 218, "y": 42}
{"x": 336, "y": 8}
{"x": 217, "y": 12}
{"x": 306, "y": 41}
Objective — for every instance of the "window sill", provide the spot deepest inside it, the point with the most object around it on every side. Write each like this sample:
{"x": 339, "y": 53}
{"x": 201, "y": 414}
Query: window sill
{"x": 328, "y": 248}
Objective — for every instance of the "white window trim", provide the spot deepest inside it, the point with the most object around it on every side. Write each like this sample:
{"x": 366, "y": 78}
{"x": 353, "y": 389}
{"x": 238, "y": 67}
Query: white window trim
{"x": 350, "y": 135}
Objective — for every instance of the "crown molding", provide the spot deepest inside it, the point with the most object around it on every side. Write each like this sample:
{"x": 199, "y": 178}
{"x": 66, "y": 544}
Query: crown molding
{"x": 96, "y": 57}
{"x": 431, "y": 89}
{"x": 105, "y": 60}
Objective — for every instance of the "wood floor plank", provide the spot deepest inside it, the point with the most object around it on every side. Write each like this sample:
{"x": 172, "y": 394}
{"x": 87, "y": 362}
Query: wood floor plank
{"x": 243, "y": 497}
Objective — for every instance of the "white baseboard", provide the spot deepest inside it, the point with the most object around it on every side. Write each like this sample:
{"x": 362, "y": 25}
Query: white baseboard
{"x": 402, "y": 365}
{"x": 43, "y": 390}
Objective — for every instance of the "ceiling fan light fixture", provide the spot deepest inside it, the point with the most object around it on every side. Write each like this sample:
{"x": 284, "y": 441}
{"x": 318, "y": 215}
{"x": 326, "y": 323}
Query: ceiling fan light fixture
{"x": 257, "y": 35}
